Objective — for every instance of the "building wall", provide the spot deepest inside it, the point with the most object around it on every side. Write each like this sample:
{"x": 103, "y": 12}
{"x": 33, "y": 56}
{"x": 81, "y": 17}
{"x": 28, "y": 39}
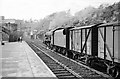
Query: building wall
{"x": 2, "y": 17}
{"x": 1, "y": 20}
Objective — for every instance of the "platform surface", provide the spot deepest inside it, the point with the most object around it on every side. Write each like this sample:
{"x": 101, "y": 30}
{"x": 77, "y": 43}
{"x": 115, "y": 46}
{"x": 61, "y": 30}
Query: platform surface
{"x": 19, "y": 60}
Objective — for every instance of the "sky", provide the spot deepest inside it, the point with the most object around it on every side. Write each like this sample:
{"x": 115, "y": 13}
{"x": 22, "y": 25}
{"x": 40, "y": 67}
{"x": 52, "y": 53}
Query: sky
{"x": 38, "y": 9}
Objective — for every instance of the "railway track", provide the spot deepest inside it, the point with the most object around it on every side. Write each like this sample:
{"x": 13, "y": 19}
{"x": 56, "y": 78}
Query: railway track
{"x": 60, "y": 70}
{"x": 63, "y": 67}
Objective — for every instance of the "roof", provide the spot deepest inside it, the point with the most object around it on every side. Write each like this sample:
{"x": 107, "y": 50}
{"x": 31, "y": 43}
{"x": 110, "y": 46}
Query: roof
{"x": 82, "y": 27}
{"x": 110, "y": 24}
{"x": 97, "y": 25}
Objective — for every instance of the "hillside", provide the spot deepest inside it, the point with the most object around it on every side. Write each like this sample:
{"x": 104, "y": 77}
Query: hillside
{"x": 105, "y": 13}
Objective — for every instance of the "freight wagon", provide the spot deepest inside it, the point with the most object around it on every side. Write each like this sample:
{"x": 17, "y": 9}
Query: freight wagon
{"x": 98, "y": 46}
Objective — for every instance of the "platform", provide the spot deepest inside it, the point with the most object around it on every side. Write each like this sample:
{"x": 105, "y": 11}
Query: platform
{"x": 19, "y": 60}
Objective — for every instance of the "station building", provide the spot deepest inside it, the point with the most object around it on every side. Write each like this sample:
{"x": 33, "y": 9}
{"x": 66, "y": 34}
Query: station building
{"x": 9, "y": 26}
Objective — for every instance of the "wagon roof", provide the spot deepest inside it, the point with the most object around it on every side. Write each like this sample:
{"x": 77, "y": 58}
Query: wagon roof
{"x": 97, "y": 25}
{"x": 110, "y": 24}
{"x": 82, "y": 27}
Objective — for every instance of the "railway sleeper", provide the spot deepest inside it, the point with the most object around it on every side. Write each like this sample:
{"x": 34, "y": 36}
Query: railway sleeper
{"x": 60, "y": 71}
{"x": 52, "y": 64}
{"x": 70, "y": 76}
{"x": 55, "y": 68}
{"x": 67, "y": 77}
{"x": 63, "y": 74}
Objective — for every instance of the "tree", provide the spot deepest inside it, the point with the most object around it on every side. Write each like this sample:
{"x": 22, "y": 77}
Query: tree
{"x": 60, "y": 19}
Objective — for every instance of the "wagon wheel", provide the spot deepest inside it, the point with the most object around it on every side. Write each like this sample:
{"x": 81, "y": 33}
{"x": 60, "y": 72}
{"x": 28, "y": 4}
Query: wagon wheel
{"x": 76, "y": 56}
{"x": 70, "y": 54}
{"x": 88, "y": 62}
{"x": 59, "y": 50}
{"x": 66, "y": 54}
{"x": 51, "y": 47}
{"x": 114, "y": 72}
{"x": 54, "y": 48}
{"x": 63, "y": 52}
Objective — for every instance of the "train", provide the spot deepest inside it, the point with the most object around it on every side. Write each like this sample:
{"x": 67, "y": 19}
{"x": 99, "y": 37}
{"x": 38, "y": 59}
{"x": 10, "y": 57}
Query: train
{"x": 97, "y": 45}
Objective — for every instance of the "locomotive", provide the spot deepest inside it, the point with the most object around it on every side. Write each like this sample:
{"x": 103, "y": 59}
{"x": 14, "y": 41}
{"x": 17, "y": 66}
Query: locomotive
{"x": 98, "y": 45}
{"x": 47, "y": 39}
